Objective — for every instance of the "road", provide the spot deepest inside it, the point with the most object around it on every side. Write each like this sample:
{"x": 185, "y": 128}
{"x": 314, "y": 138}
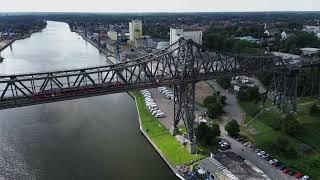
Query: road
{"x": 232, "y": 108}
{"x": 249, "y": 154}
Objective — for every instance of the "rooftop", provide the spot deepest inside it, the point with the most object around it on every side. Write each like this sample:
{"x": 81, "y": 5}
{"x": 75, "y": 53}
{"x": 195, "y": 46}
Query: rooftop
{"x": 230, "y": 165}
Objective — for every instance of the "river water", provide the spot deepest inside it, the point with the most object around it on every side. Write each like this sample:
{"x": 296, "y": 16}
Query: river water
{"x": 91, "y": 138}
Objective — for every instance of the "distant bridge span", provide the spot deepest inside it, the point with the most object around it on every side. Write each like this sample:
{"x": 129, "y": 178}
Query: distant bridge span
{"x": 180, "y": 65}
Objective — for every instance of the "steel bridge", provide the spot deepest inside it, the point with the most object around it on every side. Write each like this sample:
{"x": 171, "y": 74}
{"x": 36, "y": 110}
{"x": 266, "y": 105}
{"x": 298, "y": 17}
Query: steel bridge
{"x": 180, "y": 65}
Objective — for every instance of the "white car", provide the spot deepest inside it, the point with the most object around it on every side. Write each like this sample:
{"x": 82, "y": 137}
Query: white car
{"x": 160, "y": 115}
{"x": 305, "y": 177}
{"x": 152, "y": 107}
{"x": 146, "y": 94}
{"x": 156, "y": 112}
{"x": 272, "y": 161}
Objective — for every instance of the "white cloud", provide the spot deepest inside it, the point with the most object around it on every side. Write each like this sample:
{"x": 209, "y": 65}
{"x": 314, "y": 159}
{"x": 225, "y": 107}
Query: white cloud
{"x": 158, "y": 5}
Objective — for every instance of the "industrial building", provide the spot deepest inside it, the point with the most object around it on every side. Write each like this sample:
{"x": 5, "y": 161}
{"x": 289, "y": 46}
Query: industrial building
{"x": 229, "y": 166}
{"x": 135, "y": 31}
{"x": 176, "y": 34}
{"x": 113, "y": 35}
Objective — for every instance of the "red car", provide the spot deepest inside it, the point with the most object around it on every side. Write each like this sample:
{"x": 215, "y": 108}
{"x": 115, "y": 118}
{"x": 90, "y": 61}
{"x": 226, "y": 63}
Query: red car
{"x": 298, "y": 175}
{"x": 287, "y": 170}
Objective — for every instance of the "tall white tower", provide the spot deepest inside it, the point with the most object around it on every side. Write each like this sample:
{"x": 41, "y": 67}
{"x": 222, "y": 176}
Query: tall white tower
{"x": 135, "y": 31}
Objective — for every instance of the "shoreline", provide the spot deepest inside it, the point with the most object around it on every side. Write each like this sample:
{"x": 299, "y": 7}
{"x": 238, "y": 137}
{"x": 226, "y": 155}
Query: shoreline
{"x": 145, "y": 134}
{"x": 11, "y": 41}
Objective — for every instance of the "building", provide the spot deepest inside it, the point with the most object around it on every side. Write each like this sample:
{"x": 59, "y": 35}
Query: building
{"x": 113, "y": 35}
{"x": 311, "y": 29}
{"x": 310, "y": 51}
{"x": 284, "y": 35}
{"x": 229, "y": 166}
{"x": 286, "y": 56}
{"x": 241, "y": 81}
{"x": 162, "y": 45}
{"x": 135, "y": 31}
{"x": 176, "y": 34}
{"x": 272, "y": 32}
{"x": 249, "y": 39}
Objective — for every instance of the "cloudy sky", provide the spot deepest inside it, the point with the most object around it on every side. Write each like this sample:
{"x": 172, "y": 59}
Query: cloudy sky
{"x": 157, "y": 5}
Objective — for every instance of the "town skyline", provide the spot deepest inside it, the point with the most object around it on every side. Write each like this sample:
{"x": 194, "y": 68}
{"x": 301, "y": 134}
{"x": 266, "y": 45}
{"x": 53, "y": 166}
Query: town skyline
{"x": 158, "y": 6}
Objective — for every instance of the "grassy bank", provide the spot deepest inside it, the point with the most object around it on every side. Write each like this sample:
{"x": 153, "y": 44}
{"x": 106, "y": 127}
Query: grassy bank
{"x": 263, "y": 133}
{"x": 174, "y": 152}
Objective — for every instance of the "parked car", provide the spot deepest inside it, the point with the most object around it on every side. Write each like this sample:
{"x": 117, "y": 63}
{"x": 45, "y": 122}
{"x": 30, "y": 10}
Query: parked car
{"x": 156, "y": 112}
{"x": 277, "y": 164}
{"x": 281, "y": 167}
{"x": 287, "y": 170}
{"x": 292, "y": 173}
{"x": 298, "y": 175}
{"x": 305, "y": 177}
{"x": 273, "y": 161}
{"x": 160, "y": 115}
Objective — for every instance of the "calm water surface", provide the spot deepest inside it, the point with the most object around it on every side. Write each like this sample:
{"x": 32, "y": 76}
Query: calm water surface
{"x": 91, "y": 138}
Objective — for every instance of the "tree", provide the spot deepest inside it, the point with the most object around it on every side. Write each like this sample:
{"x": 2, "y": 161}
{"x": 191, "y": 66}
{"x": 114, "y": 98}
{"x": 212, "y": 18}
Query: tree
{"x": 214, "y": 110}
{"x": 210, "y": 100}
{"x": 225, "y": 83}
{"x": 222, "y": 100}
{"x": 232, "y": 128}
{"x": 207, "y": 134}
{"x": 249, "y": 94}
{"x": 290, "y": 125}
{"x": 216, "y": 130}
{"x": 201, "y": 130}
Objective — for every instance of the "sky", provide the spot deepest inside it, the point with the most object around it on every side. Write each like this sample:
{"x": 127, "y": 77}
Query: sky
{"x": 157, "y": 5}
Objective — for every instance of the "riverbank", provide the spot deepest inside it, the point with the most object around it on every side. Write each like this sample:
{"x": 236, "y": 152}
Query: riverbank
{"x": 7, "y": 42}
{"x": 167, "y": 146}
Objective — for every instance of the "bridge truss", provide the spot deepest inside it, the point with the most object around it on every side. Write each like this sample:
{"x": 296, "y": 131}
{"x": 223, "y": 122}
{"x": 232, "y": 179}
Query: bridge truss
{"x": 180, "y": 65}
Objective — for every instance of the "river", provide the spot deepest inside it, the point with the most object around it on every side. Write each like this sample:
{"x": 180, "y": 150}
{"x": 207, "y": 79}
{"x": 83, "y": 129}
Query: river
{"x": 90, "y": 138}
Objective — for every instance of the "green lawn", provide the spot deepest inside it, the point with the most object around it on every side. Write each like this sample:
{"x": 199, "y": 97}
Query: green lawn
{"x": 174, "y": 152}
{"x": 266, "y": 134}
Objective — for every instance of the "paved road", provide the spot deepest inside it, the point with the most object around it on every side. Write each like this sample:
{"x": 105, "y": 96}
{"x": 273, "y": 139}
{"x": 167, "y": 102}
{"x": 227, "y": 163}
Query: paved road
{"x": 249, "y": 154}
{"x": 232, "y": 108}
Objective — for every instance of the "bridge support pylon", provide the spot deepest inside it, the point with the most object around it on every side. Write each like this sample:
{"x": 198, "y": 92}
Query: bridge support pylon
{"x": 184, "y": 109}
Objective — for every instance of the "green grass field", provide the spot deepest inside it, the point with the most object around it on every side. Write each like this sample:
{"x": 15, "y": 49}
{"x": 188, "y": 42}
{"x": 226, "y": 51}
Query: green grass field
{"x": 174, "y": 152}
{"x": 266, "y": 134}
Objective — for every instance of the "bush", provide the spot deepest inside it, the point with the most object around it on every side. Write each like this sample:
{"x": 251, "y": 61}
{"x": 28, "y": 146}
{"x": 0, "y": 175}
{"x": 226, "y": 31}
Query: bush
{"x": 232, "y": 128}
{"x": 315, "y": 110}
{"x": 214, "y": 110}
{"x": 225, "y": 83}
{"x": 214, "y": 105}
{"x": 290, "y": 125}
{"x": 283, "y": 146}
{"x": 249, "y": 94}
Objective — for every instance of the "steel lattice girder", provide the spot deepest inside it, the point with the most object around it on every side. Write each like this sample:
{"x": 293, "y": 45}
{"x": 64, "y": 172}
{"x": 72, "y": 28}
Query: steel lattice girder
{"x": 184, "y": 108}
{"x": 184, "y": 60}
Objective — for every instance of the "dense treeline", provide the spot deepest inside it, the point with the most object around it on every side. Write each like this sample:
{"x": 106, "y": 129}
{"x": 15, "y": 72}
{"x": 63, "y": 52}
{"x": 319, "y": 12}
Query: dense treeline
{"x": 21, "y": 24}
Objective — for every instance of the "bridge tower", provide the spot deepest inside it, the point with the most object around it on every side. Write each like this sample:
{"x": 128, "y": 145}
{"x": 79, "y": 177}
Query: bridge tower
{"x": 184, "y": 93}
{"x": 283, "y": 91}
